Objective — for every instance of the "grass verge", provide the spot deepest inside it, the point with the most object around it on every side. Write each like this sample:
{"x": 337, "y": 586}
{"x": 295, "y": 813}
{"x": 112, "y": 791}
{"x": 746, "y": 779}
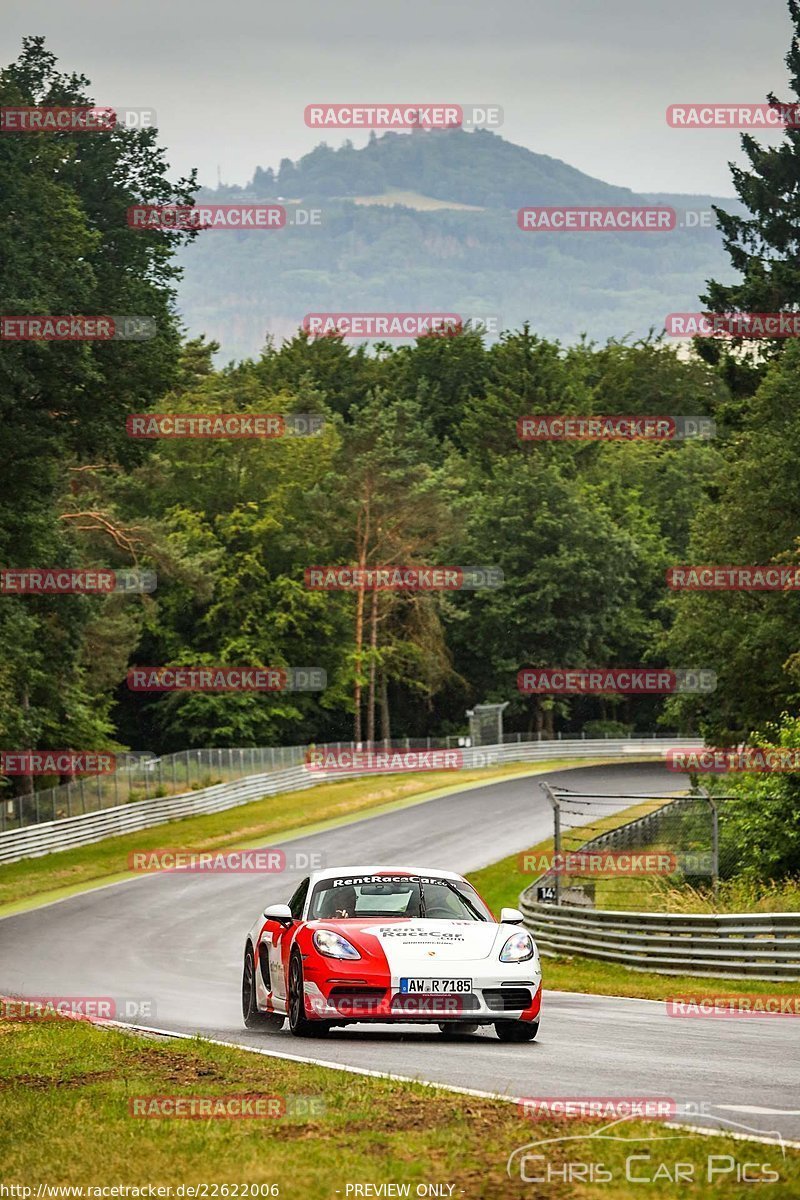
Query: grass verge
{"x": 37, "y": 880}
{"x": 500, "y": 885}
{"x": 67, "y": 1089}
{"x": 662, "y": 894}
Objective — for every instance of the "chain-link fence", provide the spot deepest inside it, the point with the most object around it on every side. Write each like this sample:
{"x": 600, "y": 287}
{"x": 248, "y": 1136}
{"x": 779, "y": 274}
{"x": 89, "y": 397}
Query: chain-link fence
{"x": 662, "y": 854}
{"x": 141, "y": 776}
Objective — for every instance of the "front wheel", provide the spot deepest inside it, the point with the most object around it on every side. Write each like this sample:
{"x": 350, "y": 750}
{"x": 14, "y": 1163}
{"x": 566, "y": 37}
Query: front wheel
{"x": 251, "y": 1014}
{"x": 516, "y": 1031}
{"x": 299, "y": 1023}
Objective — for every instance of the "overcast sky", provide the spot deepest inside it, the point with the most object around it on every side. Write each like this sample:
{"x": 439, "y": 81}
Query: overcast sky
{"x": 586, "y": 81}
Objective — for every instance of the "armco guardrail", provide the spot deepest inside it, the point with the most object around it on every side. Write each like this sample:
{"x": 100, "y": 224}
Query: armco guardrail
{"x": 738, "y": 945}
{"x": 46, "y": 837}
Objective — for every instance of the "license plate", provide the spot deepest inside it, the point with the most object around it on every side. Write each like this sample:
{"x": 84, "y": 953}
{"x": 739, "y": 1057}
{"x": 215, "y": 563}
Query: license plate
{"x": 412, "y": 985}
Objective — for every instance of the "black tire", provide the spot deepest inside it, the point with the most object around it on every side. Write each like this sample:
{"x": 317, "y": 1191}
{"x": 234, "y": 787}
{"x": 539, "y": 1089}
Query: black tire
{"x": 299, "y": 1023}
{"x": 516, "y": 1031}
{"x": 252, "y": 1016}
{"x": 456, "y": 1028}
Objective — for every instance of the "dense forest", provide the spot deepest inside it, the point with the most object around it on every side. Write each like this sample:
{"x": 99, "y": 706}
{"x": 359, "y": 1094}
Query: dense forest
{"x": 417, "y": 462}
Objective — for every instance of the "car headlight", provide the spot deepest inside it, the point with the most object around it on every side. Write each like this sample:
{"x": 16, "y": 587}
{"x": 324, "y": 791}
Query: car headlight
{"x": 518, "y": 948}
{"x": 333, "y": 945}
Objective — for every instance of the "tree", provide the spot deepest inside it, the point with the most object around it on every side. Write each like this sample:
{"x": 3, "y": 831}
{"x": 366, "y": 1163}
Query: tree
{"x": 764, "y": 246}
{"x": 759, "y": 830}
{"x": 66, "y": 249}
{"x": 234, "y": 523}
{"x": 264, "y": 183}
{"x": 570, "y": 576}
{"x": 394, "y": 511}
{"x": 752, "y": 516}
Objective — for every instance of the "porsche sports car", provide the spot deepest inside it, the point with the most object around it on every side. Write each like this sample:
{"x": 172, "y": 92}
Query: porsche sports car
{"x": 383, "y": 944}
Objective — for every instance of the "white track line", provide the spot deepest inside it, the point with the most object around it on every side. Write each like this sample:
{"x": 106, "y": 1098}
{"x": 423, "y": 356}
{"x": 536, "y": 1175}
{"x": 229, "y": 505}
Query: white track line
{"x": 702, "y": 1130}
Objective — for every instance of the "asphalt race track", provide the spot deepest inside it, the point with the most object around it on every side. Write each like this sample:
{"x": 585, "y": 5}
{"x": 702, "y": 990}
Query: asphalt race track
{"x": 176, "y": 941}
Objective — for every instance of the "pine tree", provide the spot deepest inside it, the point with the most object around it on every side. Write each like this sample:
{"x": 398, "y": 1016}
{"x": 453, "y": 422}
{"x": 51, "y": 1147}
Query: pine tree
{"x": 765, "y": 245}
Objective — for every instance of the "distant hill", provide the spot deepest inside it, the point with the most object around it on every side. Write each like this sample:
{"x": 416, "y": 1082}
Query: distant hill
{"x": 385, "y": 244}
{"x": 473, "y": 168}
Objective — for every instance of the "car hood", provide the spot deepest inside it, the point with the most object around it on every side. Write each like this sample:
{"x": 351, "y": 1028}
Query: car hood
{"x": 420, "y": 941}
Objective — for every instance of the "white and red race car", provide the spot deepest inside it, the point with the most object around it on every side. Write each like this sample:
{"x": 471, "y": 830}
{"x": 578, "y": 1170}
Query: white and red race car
{"x": 382, "y": 944}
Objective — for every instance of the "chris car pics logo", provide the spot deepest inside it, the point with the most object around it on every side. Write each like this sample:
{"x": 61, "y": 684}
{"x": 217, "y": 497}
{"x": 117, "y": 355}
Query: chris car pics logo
{"x": 611, "y": 1154}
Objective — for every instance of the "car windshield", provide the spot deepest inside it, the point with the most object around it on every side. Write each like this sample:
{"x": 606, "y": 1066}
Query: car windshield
{"x": 424, "y": 897}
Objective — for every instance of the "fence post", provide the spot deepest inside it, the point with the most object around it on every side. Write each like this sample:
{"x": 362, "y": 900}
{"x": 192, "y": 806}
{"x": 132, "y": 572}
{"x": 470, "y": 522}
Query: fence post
{"x": 551, "y": 796}
{"x": 714, "y": 841}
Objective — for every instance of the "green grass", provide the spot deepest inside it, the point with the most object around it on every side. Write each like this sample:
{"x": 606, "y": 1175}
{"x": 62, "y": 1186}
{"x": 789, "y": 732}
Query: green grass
{"x": 67, "y": 1086}
{"x": 32, "y": 880}
{"x": 665, "y": 894}
{"x": 501, "y": 883}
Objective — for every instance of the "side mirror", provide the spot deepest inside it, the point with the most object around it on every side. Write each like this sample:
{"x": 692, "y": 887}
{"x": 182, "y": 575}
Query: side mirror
{"x": 279, "y": 912}
{"x": 511, "y": 916}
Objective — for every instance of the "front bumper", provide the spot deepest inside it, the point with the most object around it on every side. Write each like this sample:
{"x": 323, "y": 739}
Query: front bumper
{"x": 493, "y": 998}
